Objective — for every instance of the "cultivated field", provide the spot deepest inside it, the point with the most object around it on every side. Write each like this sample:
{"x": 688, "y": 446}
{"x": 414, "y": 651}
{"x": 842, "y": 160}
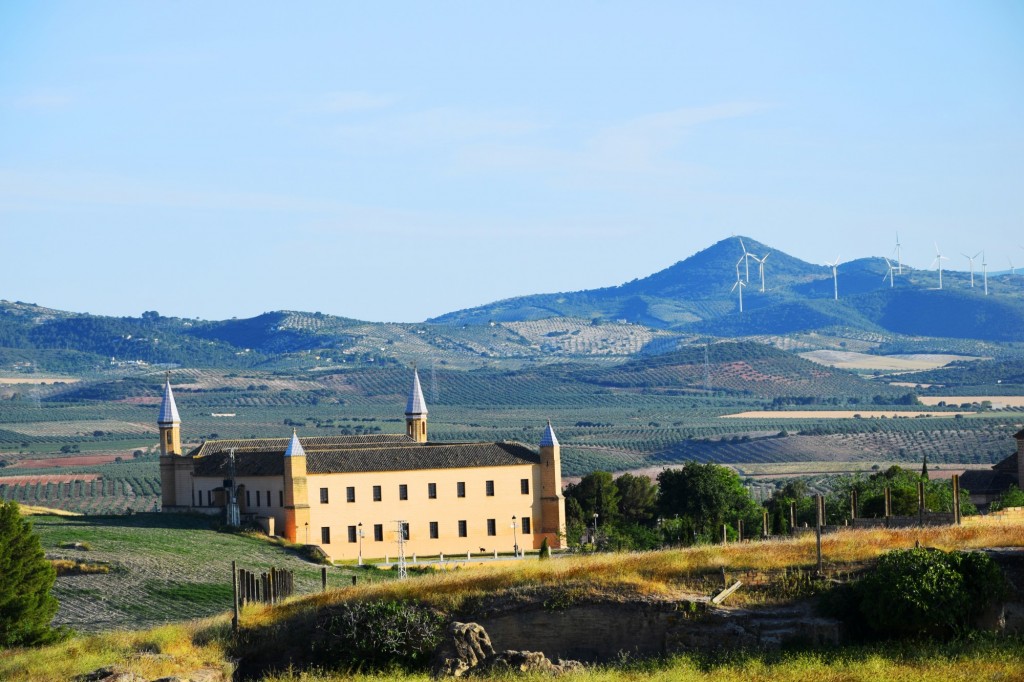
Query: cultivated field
{"x": 837, "y": 414}
{"x": 998, "y": 401}
{"x": 911, "y": 362}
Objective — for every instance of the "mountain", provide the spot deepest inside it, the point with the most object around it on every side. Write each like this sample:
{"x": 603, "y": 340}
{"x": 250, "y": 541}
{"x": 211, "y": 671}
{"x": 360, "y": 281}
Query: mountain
{"x": 698, "y": 295}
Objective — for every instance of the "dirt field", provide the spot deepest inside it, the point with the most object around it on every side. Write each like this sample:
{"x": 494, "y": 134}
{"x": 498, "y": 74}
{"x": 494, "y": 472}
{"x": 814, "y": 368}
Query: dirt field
{"x": 78, "y": 460}
{"x": 79, "y": 428}
{"x": 899, "y": 363}
{"x": 998, "y": 401}
{"x": 834, "y": 414}
{"x": 36, "y": 379}
{"x": 51, "y": 478}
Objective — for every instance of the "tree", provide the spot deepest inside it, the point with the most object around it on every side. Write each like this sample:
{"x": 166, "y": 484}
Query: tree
{"x": 638, "y": 498}
{"x": 705, "y": 496}
{"x": 596, "y": 493}
{"x": 26, "y": 577}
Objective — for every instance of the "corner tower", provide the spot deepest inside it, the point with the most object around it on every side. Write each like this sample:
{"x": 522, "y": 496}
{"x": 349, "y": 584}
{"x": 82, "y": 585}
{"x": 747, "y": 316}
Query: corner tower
{"x": 169, "y": 424}
{"x": 296, "y": 493}
{"x": 416, "y": 411}
{"x": 552, "y": 503}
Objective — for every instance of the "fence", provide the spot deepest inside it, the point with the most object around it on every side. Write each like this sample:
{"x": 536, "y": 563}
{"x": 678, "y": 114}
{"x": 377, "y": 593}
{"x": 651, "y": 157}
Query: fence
{"x": 265, "y": 588}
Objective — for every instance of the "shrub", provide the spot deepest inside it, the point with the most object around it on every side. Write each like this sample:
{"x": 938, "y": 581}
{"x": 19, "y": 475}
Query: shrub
{"x": 1014, "y": 497}
{"x": 26, "y": 577}
{"x": 919, "y": 592}
{"x": 378, "y": 634}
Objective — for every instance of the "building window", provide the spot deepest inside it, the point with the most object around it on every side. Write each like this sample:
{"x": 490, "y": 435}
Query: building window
{"x": 376, "y": 493}
{"x": 433, "y": 530}
{"x": 403, "y": 491}
{"x": 325, "y": 536}
{"x": 432, "y": 491}
{"x": 257, "y": 498}
{"x": 405, "y": 530}
{"x": 492, "y": 528}
{"x": 526, "y": 525}
{"x": 268, "y": 498}
{"x": 209, "y": 498}
{"x": 350, "y": 494}
{"x": 323, "y": 496}
{"x": 378, "y": 533}
{"x": 280, "y": 498}
{"x": 490, "y": 488}
{"x": 460, "y": 488}
{"x": 352, "y": 537}
{"x": 462, "y": 529}
{"x": 524, "y": 486}
{"x": 248, "y": 499}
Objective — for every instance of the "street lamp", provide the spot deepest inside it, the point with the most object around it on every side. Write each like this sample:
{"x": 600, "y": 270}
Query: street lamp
{"x": 515, "y": 536}
{"x": 360, "y": 543}
{"x": 307, "y": 532}
{"x": 595, "y": 529}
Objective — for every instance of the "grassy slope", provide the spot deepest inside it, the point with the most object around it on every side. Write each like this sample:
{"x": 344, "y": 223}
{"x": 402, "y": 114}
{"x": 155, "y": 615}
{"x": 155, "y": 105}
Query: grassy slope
{"x": 183, "y": 647}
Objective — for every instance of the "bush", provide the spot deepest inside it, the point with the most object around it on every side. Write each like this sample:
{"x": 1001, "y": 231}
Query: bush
{"x": 378, "y": 634}
{"x": 26, "y": 577}
{"x": 919, "y": 593}
{"x": 1014, "y": 497}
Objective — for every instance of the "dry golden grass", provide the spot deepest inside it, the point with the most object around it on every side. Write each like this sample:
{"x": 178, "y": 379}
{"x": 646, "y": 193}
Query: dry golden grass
{"x": 29, "y": 510}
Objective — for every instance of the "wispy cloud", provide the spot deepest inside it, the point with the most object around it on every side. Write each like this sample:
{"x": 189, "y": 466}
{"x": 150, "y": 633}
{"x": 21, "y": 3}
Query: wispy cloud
{"x": 42, "y": 100}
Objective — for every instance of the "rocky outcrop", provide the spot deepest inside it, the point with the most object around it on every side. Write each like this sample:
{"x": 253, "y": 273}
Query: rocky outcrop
{"x": 114, "y": 674}
{"x": 467, "y": 652}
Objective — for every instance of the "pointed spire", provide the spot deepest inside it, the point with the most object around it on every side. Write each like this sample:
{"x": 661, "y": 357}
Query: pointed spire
{"x": 416, "y": 405}
{"x": 168, "y": 410}
{"x": 295, "y": 447}
{"x": 548, "y": 439}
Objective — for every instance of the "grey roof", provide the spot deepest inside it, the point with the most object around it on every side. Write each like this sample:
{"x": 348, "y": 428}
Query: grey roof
{"x": 294, "y": 447}
{"x": 986, "y": 481}
{"x": 351, "y": 454}
{"x": 416, "y": 405}
{"x": 549, "y": 436}
{"x": 168, "y": 410}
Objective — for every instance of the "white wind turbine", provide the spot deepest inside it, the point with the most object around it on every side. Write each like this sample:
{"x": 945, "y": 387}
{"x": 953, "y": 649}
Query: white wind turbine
{"x": 746, "y": 258}
{"x": 889, "y": 273}
{"x": 739, "y": 283}
{"x": 938, "y": 260}
{"x": 760, "y": 266}
{"x": 835, "y": 276}
{"x": 984, "y": 269}
{"x": 970, "y": 259}
{"x": 899, "y": 261}
{"x": 1011, "y": 265}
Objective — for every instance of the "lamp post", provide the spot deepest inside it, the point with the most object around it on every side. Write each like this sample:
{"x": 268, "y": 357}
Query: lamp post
{"x": 595, "y": 530}
{"x": 360, "y": 543}
{"x": 307, "y": 532}
{"x": 515, "y": 537}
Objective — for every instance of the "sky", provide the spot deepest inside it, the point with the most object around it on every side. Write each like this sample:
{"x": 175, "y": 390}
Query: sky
{"x": 395, "y": 161}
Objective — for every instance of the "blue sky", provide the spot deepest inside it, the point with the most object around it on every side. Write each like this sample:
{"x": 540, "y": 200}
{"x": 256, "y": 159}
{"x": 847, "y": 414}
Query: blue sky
{"x": 394, "y": 161}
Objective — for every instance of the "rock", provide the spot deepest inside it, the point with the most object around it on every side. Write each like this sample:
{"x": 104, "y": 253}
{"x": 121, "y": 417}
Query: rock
{"x": 466, "y": 646}
{"x": 202, "y": 675}
{"x": 467, "y": 651}
{"x": 109, "y": 674}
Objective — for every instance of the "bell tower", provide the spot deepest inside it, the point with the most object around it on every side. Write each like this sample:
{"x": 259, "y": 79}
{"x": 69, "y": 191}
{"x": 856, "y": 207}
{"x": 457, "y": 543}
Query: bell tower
{"x": 552, "y": 502}
{"x": 169, "y": 424}
{"x": 296, "y": 493}
{"x": 416, "y": 411}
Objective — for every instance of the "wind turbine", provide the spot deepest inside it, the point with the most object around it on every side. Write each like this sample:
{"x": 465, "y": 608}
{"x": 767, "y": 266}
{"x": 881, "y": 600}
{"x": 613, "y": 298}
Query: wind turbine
{"x": 970, "y": 259}
{"x": 938, "y": 259}
{"x": 835, "y": 276}
{"x": 739, "y": 283}
{"x": 899, "y": 261}
{"x": 984, "y": 268}
{"x": 889, "y": 273}
{"x": 746, "y": 257}
{"x": 760, "y": 266}
{"x": 1011, "y": 265}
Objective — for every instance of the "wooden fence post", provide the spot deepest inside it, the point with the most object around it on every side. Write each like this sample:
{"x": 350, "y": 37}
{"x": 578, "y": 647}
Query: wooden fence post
{"x": 956, "y": 499}
{"x": 764, "y": 523}
{"x": 920, "y": 504}
{"x": 234, "y": 596}
{"x": 819, "y": 503}
{"x": 792, "y": 517}
{"x": 323, "y": 579}
{"x": 888, "y": 504}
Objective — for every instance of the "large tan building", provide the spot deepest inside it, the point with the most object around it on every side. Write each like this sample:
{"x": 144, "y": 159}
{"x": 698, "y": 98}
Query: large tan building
{"x": 354, "y": 495}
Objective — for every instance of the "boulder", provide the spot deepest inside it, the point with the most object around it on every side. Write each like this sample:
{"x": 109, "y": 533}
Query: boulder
{"x": 466, "y": 646}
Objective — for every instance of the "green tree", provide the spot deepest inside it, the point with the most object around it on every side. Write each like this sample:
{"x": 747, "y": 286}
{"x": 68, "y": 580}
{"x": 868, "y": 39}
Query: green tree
{"x": 706, "y": 496}
{"x": 26, "y": 577}
{"x": 1014, "y": 497}
{"x": 638, "y": 498}
{"x": 596, "y": 493}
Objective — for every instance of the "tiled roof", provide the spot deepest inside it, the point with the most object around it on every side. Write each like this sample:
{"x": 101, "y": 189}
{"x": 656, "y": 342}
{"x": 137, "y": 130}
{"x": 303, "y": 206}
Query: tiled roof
{"x": 309, "y": 443}
{"x": 350, "y": 454}
{"x": 168, "y": 410}
{"x": 986, "y": 482}
{"x": 1007, "y": 466}
{"x": 416, "y": 405}
{"x": 421, "y": 456}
